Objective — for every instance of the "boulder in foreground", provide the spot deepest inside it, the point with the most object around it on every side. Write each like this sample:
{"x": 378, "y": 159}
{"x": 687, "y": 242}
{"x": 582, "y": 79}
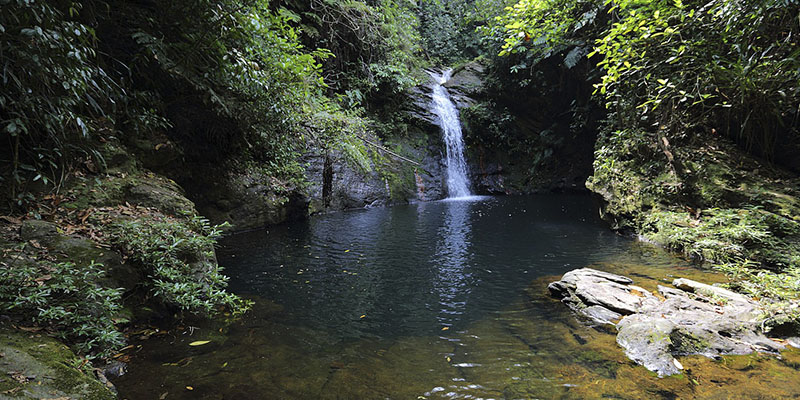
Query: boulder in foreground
{"x": 692, "y": 318}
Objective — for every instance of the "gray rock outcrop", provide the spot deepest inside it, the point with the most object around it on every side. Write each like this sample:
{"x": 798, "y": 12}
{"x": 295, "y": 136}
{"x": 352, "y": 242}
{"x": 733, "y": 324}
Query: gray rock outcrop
{"x": 466, "y": 84}
{"x": 79, "y": 250}
{"x": 692, "y": 318}
{"x": 337, "y": 184}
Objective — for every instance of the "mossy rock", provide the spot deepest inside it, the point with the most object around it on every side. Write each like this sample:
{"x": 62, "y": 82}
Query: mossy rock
{"x": 161, "y": 194}
{"x": 35, "y": 366}
{"x": 80, "y": 251}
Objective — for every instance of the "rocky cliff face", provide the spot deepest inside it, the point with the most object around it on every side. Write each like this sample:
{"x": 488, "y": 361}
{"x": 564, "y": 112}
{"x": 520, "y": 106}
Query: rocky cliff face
{"x": 466, "y": 85}
{"x": 336, "y": 184}
{"x": 528, "y": 133}
{"x": 248, "y": 199}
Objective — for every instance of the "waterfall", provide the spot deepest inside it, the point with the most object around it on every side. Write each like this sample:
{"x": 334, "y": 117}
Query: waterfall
{"x": 443, "y": 107}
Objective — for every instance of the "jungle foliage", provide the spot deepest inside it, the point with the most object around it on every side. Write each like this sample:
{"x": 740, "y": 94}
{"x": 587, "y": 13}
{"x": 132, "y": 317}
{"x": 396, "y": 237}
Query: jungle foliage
{"x": 64, "y": 297}
{"x": 174, "y": 254}
{"x": 678, "y": 68}
{"x": 224, "y": 80}
{"x": 233, "y": 84}
{"x": 679, "y": 80}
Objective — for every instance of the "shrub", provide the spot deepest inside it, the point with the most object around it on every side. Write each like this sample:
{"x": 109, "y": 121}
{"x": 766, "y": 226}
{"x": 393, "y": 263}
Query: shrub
{"x": 53, "y": 93}
{"x": 66, "y": 299}
{"x": 178, "y": 259}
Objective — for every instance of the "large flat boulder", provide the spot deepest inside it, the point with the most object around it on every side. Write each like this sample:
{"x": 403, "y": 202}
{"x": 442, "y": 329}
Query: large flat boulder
{"x": 691, "y": 318}
{"x": 585, "y": 289}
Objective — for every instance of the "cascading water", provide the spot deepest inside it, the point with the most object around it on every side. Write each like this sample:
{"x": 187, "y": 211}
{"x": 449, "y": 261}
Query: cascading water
{"x": 443, "y": 107}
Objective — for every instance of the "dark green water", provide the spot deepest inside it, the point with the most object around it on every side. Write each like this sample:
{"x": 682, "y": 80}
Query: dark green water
{"x": 432, "y": 300}
{"x": 415, "y": 269}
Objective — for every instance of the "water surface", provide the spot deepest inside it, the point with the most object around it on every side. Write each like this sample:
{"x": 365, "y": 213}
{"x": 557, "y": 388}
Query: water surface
{"x": 432, "y": 300}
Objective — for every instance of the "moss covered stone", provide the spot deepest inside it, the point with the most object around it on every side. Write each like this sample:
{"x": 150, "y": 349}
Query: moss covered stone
{"x": 34, "y": 366}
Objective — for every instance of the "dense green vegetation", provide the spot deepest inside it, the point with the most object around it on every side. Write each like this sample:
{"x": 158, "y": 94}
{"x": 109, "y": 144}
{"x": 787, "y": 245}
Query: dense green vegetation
{"x": 64, "y": 296}
{"x": 173, "y": 252}
{"x": 232, "y": 76}
{"x": 680, "y": 80}
{"x": 241, "y": 84}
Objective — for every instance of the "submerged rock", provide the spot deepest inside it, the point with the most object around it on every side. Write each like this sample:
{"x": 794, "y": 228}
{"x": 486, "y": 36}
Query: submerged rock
{"x": 695, "y": 318}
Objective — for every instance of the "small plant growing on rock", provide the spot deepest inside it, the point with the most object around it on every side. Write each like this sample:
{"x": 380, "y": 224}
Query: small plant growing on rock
{"x": 63, "y": 298}
{"x": 177, "y": 256}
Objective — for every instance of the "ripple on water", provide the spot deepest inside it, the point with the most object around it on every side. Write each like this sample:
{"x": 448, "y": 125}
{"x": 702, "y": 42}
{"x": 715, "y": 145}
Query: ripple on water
{"x": 439, "y": 300}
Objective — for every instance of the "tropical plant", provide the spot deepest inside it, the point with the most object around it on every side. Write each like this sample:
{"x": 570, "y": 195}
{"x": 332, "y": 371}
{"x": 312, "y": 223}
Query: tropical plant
{"x": 56, "y": 96}
{"x": 178, "y": 260}
{"x": 65, "y": 298}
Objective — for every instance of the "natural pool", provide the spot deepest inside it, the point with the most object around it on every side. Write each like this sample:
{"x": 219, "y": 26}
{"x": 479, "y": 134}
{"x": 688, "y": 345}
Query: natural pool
{"x": 433, "y": 300}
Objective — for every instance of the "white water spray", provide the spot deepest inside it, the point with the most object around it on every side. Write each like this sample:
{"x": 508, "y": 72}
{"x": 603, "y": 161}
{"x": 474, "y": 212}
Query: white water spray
{"x": 443, "y": 107}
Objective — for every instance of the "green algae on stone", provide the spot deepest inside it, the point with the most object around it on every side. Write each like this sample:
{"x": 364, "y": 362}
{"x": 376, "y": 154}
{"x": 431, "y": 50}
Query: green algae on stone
{"x": 45, "y": 368}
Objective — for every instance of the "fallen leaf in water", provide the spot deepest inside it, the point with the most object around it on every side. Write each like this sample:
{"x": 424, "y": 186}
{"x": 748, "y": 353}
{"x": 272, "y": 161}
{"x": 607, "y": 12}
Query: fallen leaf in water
{"x": 225, "y": 364}
{"x": 199, "y": 343}
{"x": 363, "y": 316}
{"x": 180, "y": 363}
{"x": 347, "y": 251}
{"x": 448, "y": 359}
{"x": 163, "y": 396}
{"x": 189, "y": 388}
{"x": 445, "y": 328}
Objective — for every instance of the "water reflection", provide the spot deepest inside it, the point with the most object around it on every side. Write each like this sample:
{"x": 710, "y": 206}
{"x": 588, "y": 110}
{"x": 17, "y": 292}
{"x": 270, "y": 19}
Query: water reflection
{"x": 414, "y": 269}
{"x": 451, "y": 261}
{"x": 481, "y": 267}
